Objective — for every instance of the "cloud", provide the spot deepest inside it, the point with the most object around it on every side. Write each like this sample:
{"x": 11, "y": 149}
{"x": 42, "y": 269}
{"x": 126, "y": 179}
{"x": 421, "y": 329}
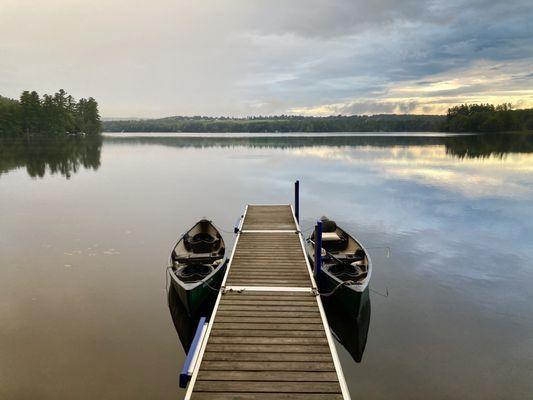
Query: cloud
{"x": 245, "y": 57}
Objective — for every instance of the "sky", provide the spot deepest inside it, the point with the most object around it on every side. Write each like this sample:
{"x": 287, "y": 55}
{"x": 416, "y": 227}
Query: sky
{"x": 249, "y": 57}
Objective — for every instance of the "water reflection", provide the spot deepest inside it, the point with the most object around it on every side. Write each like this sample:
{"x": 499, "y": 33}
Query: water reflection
{"x": 351, "y": 331}
{"x": 59, "y": 155}
{"x": 457, "y": 323}
{"x": 460, "y": 146}
{"x": 184, "y": 324}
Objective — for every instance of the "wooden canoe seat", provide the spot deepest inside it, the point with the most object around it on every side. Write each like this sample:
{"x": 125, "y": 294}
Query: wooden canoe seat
{"x": 330, "y": 236}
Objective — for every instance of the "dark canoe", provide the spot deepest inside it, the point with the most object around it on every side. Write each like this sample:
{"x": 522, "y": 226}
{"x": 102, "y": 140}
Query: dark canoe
{"x": 197, "y": 265}
{"x": 344, "y": 260}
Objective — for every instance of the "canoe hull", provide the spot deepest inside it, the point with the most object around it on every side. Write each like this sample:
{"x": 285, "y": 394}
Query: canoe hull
{"x": 347, "y": 296}
{"x": 194, "y": 296}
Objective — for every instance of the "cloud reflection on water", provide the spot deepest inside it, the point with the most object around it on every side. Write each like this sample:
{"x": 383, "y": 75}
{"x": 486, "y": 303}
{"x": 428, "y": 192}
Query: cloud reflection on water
{"x": 510, "y": 176}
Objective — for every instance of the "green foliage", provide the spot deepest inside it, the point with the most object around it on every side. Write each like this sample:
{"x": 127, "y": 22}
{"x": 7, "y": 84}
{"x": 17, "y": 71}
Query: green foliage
{"x": 283, "y": 123}
{"x": 57, "y": 114}
{"x": 487, "y": 118}
{"x": 10, "y": 116}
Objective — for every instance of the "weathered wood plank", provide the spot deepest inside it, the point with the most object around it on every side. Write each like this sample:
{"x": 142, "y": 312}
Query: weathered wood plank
{"x": 261, "y": 293}
{"x": 269, "y": 320}
{"x": 269, "y": 326}
{"x": 267, "y": 267}
{"x": 267, "y": 340}
{"x": 258, "y": 376}
{"x": 282, "y": 279}
{"x": 267, "y": 366}
{"x": 267, "y": 282}
{"x": 262, "y": 313}
{"x": 266, "y": 333}
{"x": 272, "y": 302}
{"x": 261, "y": 357}
{"x": 258, "y": 307}
{"x": 250, "y": 293}
{"x": 273, "y": 255}
{"x": 266, "y": 348}
{"x": 272, "y": 387}
{"x": 265, "y": 396}
{"x": 269, "y": 272}
{"x": 268, "y": 217}
{"x": 259, "y": 296}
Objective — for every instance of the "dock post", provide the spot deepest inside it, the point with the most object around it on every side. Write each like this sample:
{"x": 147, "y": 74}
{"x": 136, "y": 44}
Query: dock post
{"x": 297, "y": 200}
{"x": 318, "y": 248}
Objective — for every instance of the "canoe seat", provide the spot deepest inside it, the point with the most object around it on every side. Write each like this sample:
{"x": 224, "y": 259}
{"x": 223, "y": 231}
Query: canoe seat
{"x": 194, "y": 272}
{"x": 347, "y": 272}
{"x": 330, "y": 236}
{"x": 332, "y": 241}
{"x": 201, "y": 242}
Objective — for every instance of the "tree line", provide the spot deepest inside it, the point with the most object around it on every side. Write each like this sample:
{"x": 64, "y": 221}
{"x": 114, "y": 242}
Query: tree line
{"x": 60, "y": 114}
{"x": 283, "y": 123}
{"x": 462, "y": 118}
{"x": 488, "y": 118}
{"x": 57, "y": 114}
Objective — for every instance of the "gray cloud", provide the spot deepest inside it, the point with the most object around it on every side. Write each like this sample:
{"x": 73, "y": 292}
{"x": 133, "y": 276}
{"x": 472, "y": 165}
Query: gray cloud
{"x": 231, "y": 57}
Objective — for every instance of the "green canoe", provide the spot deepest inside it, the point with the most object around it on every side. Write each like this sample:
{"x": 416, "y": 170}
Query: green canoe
{"x": 197, "y": 265}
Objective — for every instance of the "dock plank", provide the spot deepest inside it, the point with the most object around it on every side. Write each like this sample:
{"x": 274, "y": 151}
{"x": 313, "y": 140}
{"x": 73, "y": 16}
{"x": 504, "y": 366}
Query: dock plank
{"x": 266, "y": 333}
{"x": 268, "y": 340}
{"x": 265, "y": 396}
{"x": 273, "y": 376}
{"x": 262, "y": 357}
{"x": 267, "y": 366}
{"x": 270, "y": 386}
{"x": 267, "y": 348}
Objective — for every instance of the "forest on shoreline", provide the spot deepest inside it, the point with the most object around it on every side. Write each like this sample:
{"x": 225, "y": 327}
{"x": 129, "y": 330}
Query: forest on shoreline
{"x": 282, "y": 123}
{"x": 488, "y": 118}
{"x": 61, "y": 114}
{"x": 464, "y": 118}
{"x": 57, "y": 114}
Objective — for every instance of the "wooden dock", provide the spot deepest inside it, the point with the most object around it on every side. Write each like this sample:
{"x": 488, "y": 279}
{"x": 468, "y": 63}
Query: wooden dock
{"x": 268, "y": 337}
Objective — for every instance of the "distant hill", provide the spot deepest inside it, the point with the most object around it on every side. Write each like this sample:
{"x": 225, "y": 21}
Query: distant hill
{"x": 283, "y": 123}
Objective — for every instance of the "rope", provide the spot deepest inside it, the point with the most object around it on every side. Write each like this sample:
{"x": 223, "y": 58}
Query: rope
{"x": 344, "y": 283}
{"x": 212, "y": 288}
{"x": 224, "y": 290}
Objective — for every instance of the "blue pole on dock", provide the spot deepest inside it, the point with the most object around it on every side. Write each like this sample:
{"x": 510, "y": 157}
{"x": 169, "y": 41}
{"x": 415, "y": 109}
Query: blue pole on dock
{"x": 318, "y": 248}
{"x": 297, "y": 200}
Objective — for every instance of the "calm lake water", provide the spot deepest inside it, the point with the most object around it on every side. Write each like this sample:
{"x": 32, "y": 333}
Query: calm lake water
{"x": 86, "y": 227}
